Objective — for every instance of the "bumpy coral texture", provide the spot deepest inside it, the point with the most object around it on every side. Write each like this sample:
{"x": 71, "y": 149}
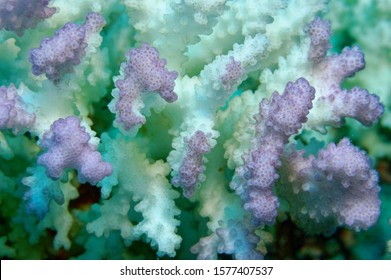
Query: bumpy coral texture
{"x": 278, "y": 118}
{"x": 144, "y": 72}
{"x": 155, "y": 129}
{"x": 233, "y": 70}
{"x": 231, "y": 238}
{"x": 58, "y": 55}
{"x": 66, "y": 145}
{"x": 320, "y": 32}
{"x": 343, "y": 174}
{"x": 192, "y": 165}
{"x": 329, "y": 73}
{"x": 19, "y": 15}
{"x": 13, "y": 115}
{"x": 41, "y": 192}
{"x": 356, "y": 103}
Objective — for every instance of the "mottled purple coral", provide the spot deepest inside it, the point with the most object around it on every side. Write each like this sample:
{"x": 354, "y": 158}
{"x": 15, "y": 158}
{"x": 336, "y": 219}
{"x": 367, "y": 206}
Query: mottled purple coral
{"x": 284, "y": 114}
{"x": 58, "y": 55}
{"x": 13, "y": 115}
{"x": 192, "y": 165}
{"x": 320, "y": 33}
{"x": 19, "y": 15}
{"x": 330, "y": 72}
{"x": 338, "y": 188}
{"x": 66, "y": 145}
{"x": 144, "y": 72}
{"x": 344, "y": 65}
{"x": 277, "y": 120}
{"x": 356, "y": 103}
{"x": 233, "y": 70}
{"x": 128, "y": 104}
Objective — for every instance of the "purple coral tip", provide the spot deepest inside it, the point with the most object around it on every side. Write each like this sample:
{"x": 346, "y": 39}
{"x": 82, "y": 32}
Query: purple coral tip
{"x": 233, "y": 70}
{"x": 145, "y": 72}
{"x": 58, "y": 55}
{"x": 320, "y": 33}
{"x": 287, "y": 112}
{"x": 66, "y": 145}
{"x": 192, "y": 165}
{"x": 150, "y": 72}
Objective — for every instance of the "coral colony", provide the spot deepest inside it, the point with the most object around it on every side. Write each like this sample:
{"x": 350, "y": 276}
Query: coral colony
{"x": 193, "y": 128}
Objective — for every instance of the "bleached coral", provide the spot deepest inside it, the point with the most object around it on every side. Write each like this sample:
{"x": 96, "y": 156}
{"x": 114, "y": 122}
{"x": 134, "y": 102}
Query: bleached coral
{"x": 160, "y": 122}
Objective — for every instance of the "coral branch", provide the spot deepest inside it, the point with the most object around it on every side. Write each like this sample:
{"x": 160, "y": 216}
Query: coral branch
{"x": 13, "y": 113}
{"x": 192, "y": 165}
{"x": 329, "y": 73}
{"x": 66, "y": 145}
{"x": 338, "y": 188}
{"x": 58, "y": 55}
{"x": 196, "y": 145}
{"x": 144, "y": 72}
{"x": 42, "y": 190}
{"x": 320, "y": 33}
{"x": 232, "y": 238}
{"x": 278, "y": 119}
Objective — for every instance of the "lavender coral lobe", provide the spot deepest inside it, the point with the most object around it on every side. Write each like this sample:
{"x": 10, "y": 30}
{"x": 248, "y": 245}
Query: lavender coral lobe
{"x": 278, "y": 119}
{"x": 356, "y": 103}
{"x": 145, "y": 72}
{"x": 331, "y": 71}
{"x": 58, "y": 55}
{"x": 66, "y": 145}
{"x": 343, "y": 175}
{"x": 192, "y": 165}
{"x": 231, "y": 238}
{"x": 320, "y": 33}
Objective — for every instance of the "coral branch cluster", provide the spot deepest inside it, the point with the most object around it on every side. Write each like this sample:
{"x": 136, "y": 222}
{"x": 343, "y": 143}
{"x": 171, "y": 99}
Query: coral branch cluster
{"x": 343, "y": 174}
{"x": 160, "y": 122}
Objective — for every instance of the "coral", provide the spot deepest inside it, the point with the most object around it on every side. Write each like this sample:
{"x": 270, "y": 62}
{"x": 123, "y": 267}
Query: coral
{"x": 66, "y": 145}
{"x": 42, "y": 190}
{"x": 18, "y": 15}
{"x": 57, "y": 55}
{"x": 278, "y": 119}
{"x": 343, "y": 173}
{"x": 320, "y": 33}
{"x": 192, "y": 165}
{"x": 194, "y": 129}
{"x": 144, "y": 72}
{"x": 233, "y": 238}
{"x": 13, "y": 111}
